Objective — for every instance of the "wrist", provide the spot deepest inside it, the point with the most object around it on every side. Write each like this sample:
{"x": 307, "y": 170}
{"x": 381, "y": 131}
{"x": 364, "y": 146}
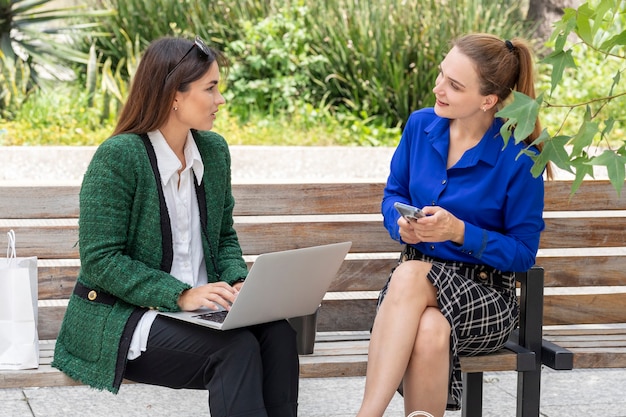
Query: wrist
{"x": 460, "y": 234}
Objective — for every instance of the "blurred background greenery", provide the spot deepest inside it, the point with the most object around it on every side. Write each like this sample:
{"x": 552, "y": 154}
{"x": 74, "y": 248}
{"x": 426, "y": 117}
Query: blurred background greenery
{"x": 303, "y": 72}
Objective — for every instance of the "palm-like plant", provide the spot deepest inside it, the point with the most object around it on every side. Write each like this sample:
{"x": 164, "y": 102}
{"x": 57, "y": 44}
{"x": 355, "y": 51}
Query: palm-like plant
{"x": 41, "y": 35}
{"x": 37, "y": 38}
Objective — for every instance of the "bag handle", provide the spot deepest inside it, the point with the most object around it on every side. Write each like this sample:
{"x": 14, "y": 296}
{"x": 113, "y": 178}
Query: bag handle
{"x": 11, "y": 255}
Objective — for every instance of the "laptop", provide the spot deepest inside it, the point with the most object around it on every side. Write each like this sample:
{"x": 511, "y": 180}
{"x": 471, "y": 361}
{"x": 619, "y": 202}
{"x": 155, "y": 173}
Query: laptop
{"x": 279, "y": 285}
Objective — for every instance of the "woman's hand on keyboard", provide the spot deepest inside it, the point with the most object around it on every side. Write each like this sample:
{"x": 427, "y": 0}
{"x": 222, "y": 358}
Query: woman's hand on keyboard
{"x": 209, "y": 295}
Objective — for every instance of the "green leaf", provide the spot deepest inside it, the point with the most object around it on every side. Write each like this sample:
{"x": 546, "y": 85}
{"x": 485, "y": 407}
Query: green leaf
{"x": 543, "y": 137}
{"x": 564, "y": 27}
{"x": 559, "y": 44}
{"x": 583, "y": 28}
{"x": 521, "y": 114}
{"x": 554, "y": 151}
{"x": 608, "y": 126}
{"x": 598, "y": 14}
{"x": 583, "y": 169}
{"x": 619, "y": 39}
{"x": 587, "y": 131}
{"x": 606, "y": 8}
{"x": 560, "y": 60}
{"x": 539, "y": 163}
{"x": 505, "y": 130}
{"x": 616, "y": 80}
{"x": 615, "y": 164}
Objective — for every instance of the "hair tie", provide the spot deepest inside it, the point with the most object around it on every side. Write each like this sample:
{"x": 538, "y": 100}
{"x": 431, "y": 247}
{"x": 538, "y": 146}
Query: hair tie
{"x": 509, "y": 45}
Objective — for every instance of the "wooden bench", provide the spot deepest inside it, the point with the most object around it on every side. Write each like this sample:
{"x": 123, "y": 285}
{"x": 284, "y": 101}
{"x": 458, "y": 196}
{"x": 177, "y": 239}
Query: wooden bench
{"x": 279, "y": 216}
{"x": 584, "y": 257}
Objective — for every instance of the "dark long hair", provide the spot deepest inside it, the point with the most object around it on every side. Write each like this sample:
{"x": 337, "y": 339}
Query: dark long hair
{"x": 153, "y": 88}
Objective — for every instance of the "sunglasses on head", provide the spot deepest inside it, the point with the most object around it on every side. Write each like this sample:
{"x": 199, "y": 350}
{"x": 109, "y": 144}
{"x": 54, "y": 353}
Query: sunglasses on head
{"x": 202, "y": 46}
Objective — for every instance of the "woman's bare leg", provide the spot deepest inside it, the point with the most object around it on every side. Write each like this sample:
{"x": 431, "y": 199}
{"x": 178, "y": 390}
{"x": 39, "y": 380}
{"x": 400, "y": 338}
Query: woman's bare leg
{"x": 394, "y": 334}
{"x": 427, "y": 376}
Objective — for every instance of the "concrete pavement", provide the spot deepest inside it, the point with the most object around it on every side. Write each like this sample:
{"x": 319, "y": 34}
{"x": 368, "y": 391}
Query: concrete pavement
{"x": 564, "y": 394}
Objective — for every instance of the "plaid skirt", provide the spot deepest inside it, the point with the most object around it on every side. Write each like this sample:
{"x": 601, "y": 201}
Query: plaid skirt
{"x": 480, "y": 304}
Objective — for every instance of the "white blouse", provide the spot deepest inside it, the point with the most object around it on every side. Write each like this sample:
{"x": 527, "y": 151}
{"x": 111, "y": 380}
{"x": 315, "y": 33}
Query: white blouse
{"x": 180, "y": 197}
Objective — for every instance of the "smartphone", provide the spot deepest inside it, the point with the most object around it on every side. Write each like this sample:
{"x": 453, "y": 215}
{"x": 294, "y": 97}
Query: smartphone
{"x": 408, "y": 212}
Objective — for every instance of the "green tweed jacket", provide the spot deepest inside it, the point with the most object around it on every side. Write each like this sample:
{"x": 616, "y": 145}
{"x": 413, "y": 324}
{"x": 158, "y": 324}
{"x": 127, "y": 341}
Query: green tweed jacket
{"x": 122, "y": 246}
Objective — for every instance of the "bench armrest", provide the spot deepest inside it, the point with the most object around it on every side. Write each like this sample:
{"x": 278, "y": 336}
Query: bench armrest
{"x": 526, "y": 359}
{"x": 529, "y": 333}
{"x": 556, "y": 357}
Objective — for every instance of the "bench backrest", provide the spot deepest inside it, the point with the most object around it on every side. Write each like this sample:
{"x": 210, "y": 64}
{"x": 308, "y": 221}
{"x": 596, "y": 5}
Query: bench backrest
{"x": 582, "y": 249}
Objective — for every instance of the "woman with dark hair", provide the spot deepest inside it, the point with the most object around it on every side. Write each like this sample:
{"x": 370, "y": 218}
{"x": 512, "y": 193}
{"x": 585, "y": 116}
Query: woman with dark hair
{"x": 453, "y": 290}
{"x": 156, "y": 234}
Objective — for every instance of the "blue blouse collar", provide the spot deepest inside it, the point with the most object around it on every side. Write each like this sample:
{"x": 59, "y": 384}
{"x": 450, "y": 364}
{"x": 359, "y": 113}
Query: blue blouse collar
{"x": 487, "y": 150}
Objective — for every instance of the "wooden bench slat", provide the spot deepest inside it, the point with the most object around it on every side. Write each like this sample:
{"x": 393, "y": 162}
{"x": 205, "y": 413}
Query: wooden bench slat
{"x": 582, "y": 271}
{"x": 329, "y": 359}
{"x": 60, "y": 240}
{"x": 588, "y": 330}
{"x": 54, "y": 201}
{"x": 366, "y": 236}
{"x": 334, "y": 315}
{"x": 589, "y": 344}
{"x": 315, "y": 198}
{"x": 609, "y": 358}
{"x": 61, "y": 201}
{"x": 584, "y": 308}
{"x": 593, "y": 346}
{"x": 346, "y": 315}
{"x": 47, "y": 202}
{"x": 57, "y": 282}
{"x": 49, "y": 324}
{"x": 362, "y": 274}
{"x": 357, "y": 314}
{"x": 591, "y": 195}
{"x": 583, "y": 232}
{"x": 47, "y": 239}
{"x": 51, "y": 241}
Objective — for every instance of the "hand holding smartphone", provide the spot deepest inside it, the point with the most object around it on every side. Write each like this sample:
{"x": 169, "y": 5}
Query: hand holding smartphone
{"x": 408, "y": 212}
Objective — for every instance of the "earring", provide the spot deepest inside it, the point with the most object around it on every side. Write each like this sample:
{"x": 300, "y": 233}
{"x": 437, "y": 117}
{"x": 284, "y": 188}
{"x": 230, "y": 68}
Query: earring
{"x": 175, "y": 108}
{"x": 484, "y": 109}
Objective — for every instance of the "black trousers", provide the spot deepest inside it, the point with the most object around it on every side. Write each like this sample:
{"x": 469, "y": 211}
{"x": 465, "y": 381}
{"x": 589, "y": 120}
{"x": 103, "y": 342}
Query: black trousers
{"x": 249, "y": 372}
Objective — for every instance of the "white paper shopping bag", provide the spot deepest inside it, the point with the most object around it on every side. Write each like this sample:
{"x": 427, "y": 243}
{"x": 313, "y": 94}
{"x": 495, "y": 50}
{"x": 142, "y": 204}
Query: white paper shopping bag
{"x": 19, "y": 342}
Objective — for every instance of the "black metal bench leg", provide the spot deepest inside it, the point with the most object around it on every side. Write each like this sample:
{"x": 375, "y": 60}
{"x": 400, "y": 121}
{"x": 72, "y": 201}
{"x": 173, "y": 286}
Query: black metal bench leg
{"x": 472, "y": 395}
{"x": 530, "y": 336}
{"x": 528, "y": 393}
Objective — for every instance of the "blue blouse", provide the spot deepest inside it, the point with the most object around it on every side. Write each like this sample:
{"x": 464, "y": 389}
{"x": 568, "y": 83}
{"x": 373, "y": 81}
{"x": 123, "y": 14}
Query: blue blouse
{"x": 490, "y": 188}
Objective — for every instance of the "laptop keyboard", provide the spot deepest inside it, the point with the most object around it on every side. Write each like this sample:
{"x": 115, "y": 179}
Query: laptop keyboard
{"x": 214, "y": 316}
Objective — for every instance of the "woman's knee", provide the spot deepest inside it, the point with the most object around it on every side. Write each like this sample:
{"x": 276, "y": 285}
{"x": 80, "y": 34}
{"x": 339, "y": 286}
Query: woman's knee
{"x": 410, "y": 278}
{"x": 433, "y": 335}
{"x": 244, "y": 345}
{"x": 279, "y": 333}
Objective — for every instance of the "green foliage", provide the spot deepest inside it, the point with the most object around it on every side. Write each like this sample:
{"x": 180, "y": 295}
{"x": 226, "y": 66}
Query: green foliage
{"x": 272, "y": 72}
{"x": 341, "y": 71}
{"x": 142, "y": 21}
{"x": 382, "y": 56}
{"x": 373, "y": 59}
{"x": 57, "y": 114}
{"x": 40, "y": 34}
{"x": 600, "y": 113}
{"x": 61, "y": 115}
{"x": 523, "y": 108}
{"x": 16, "y": 85}
{"x": 114, "y": 82}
